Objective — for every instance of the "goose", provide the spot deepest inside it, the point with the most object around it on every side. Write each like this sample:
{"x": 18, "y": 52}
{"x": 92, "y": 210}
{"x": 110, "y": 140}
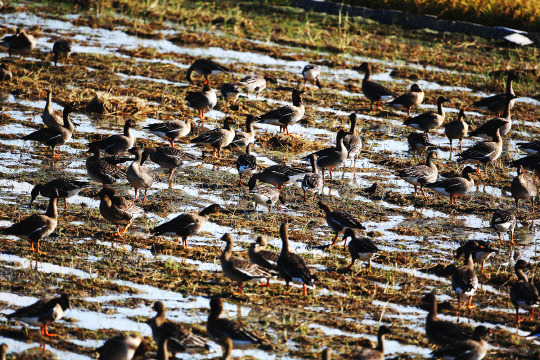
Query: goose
{"x": 264, "y": 194}
{"x": 420, "y": 175}
{"x": 256, "y": 83}
{"x": 359, "y": 248}
{"x": 168, "y": 158}
{"x": 504, "y": 221}
{"x": 455, "y": 186}
{"x": 65, "y": 188}
{"x": 504, "y": 124}
{"x": 205, "y": 67}
{"x": 313, "y": 182}
{"x": 479, "y": 249}
{"x": 352, "y": 142}
{"x": 419, "y": 142}
{"x": 50, "y": 117}
{"x": 378, "y": 352}
{"x": 281, "y": 174}
{"x": 117, "y": 144}
{"x": 408, "y": 100}
{"x": 465, "y": 281}
{"x": 243, "y": 138}
{"x": 246, "y": 163}
{"x": 523, "y": 294}
{"x": 311, "y": 74}
{"x": 457, "y": 129}
{"x": 217, "y": 139}
{"x": 333, "y": 157}
{"x": 202, "y": 101}
{"x": 430, "y": 120}
{"x": 20, "y": 43}
{"x": 117, "y": 210}
{"x": 496, "y": 103}
{"x": 138, "y": 175}
{"x": 171, "y": 130}
{"x": 102, "y": 171}
{"x": 531, "y": 147}
{"x": 61, "y": 47}
{"x": 260, "y": 255}
{"x": 474, "y": 348}
{"x": 483, "y": 152}
{"x": 121, "y": 347}
{"x": 287, "y": 115}
{"x": 374, "y": 91}
{"x": 339, "y": 221}
{"x": 523, "y": 188}
{"x": 230, "y": 93}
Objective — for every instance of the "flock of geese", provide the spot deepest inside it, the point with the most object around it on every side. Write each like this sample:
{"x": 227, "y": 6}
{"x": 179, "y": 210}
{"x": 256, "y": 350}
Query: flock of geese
{"x": 454, "y": 340}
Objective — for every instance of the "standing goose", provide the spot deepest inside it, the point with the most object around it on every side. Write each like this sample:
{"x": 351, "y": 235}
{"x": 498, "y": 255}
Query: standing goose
{"x": 205, "y": 67}
{"x": 138, "y": 175}
{"x": 378, "y": 352}
{"x": 287, "y": 115}
{"x": 292, "y": 267}
{"x": 243, "y": 138}
{"x": 20, "y": 43}
{"x": 260, "y": 255}
{"x": 116, "y": 144}
{"x": 408, "y": 100}
{"x": 168, "y": 158}
{"x": 50, "y": 117}
{"x": 171, "y": 130}
{"x": 313, "y": 182}
{"x": 42, "y": 313}
{"x": 185, "y": 225}
{"x": 443, "y": 332}
{"x": 457, "y": 129}
{"x": 420, "y": 175}
{"x": 100, "y": 170}
{"x": 455, "y": 186}
{"x": 163, "y": 329}
{"x": 496, "y": 103}
{"x": 419, "y": 142}
{"x": 480, "y": 250}
{"x": 65, "y": 188}
{"x": 230, "y": 93}
{"x": 352, "y": 142}
{"x": 465, "y": 281}
{"x": 359, "y": 248}
{"x": 333, "y": 157}
{"x": 339, "y": 221}
{"x": 256, "y": 83}
{"x": 474, "y": 348}
{"x": 54, "y": 136}
{"x": 37, "y": 226}
{"x": 523, "y": 188}
{"x": 117, "y": 210}
{"x": 504, "y": 221}
{"x": 264, "y": 194}
{"x": 504, "y": 124}
{"x": 121, "y": 347}
{"x": 374, "y": 91}
{"x": 60, "y": 48}
{"x": 483, "y": 152}
{"x": 238, "y": 269}
{"x": 523, "y": 294}
{"x": 217, "y": 139}
{"x": 246, "y": 163}
{"x": 430, "y": 120}
{"x": 311, "y": 74}
{"x": 279, "y": 175}
{"x": 202, "y": 101}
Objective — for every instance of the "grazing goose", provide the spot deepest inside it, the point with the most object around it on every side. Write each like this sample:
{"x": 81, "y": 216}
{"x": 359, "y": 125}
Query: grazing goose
{"x": 280, "y": 175}
{"x": 138, "y": 175}
{"x": 457, "y": 129}
{"x": 54, "y": 136}
{"x": 202, "y": 101}
{"x": 443, "y": 332}
{"x": 116, "y": 144}
{"x": 474, "y": 348}
{"x": 419, "y": 175}
{"x": 530, "y": 162}
{"x": 496, "y": 103}
{"x": 221, "y": 329}
{"x": 117, "y": 210}
{"x": 504, "y": 124}
{"x": 523, "y": 294}
{"x": 238, "y": 269}
{"x": 531, "y": 147}
{"x": 292, "y": 268}
{"x": 256, "y": 83}
{"x": 42, "y": 313}
{"x": 523, "y": 188}
{"x": 65, "y": 188}
{"x": 168, "y": 158}
{"x": 408, "y": 100}
{"x": 121, "y": 347}
{"x": 374, "y": 91}
{"x": 483, "y": 152}
{"x": 419, "y": 142}
{"x": 313, "y": 182}
{"x": 163, "y": 329}
{"x": 504, "y": 221}
{"x": 311, "y": 74}
{"x": 217, "y": 139}
{"x": 230, "y": 93}
{"x": 20, "y": 43}
{"x": 60, "y": 48}
{"x": 332, "y": 157}
{"x": 480, "y": 250}
{"x": 430, "y": 120}
{"x": 50, "y": 117}
{"x": 352, "y": 142}
{"x": 5, "y": 72}
{"x": 359, "y": 248}
{"x": 37, "y": 226}
{"x": 246, "y": 163}
{"x": 100, "y": 170}
{"x": 171, "y": 130}
{"x": 264, "y": 194}
{"x": 455, "y": 186}
{"x": 339, "y": 221}
{"x": 205, "y": 67}
{"x": 378, "y": 352}
{"x": 465, "y": 281}
{"x": 287, "y": 115}
{"x": 185, "y": 225}
{"x": 243, "y": 138}
{"x": 260, "y": 255}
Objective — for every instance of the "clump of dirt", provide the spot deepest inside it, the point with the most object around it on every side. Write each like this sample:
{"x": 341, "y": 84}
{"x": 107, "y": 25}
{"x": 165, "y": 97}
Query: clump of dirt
{"x": 107, "y": 104}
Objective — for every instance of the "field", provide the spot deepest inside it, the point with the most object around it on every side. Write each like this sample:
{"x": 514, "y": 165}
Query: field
{"x": 142, "y": 50}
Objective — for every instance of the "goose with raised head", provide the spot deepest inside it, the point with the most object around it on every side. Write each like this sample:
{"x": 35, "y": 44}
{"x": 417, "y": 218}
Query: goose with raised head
{"x": 138, "y": 175}
{"x": 352, "y": 142}
{"x": 118, "y": 143}
{"x": 408, "y": 100}
{"x": 332, "y": 157}
{"x": 217, "y": 139}
{"x": 420, "y": 175}
{"x": 504, "y": 123}
{"x": 465, "y": 281}
{"x": 169, "y": 158}
{"x": 244, "y": 138}
{"x": 504, "y": 221}
{"x": 287, "y": 115}
{"x": 171, "y": 130}
{"x": 378, "y": 352}
{"x": 374, "y": 91}
{"x": 51, "y": 117}
{"x": 430, "y": 120}
{"x": 246, "y": 164}
{"x": 313, "y": 182}
{"x": 496, "y": 103}
{"x": 454, "y": 186}
{"x": 260, "y": 255}
{"x": 264, "y": 194}
{"x": 523, "y": 293}
{"x": 523, "y": 188}
{"x": 311, "y": 74}
{"x": 456, "y": 130}
{"x": 202, "y": 101}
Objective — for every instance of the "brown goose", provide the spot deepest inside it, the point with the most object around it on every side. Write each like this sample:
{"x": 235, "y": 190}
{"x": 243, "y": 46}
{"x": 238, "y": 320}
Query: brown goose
{"x": 121, "y": 347}
{"x": 483, "y": 152}
{"x": 162, "y": 329}
{"x": 246, "y": 163}
{"x": 378, "y": 352}
{"x": 256, "y": 83}
{"x": 116, "y": 144}
{"x": 359, "y": 248}
{"x": 20, "y": 43}
{"x": 504, "y": 124}
{"x": 465, "y": 281}
{"x": 504, "y": 221}
{"x": 430, "y": 120}
{"x": 457, "y": 129}
{"x": 455, "y": 186}
{"x": 259, "y": 255}
{"x": 43, "y": 312}
{"x": 531, "y": 147}
{"x": 5, "y": 72}
{"x": 139, "y": 176}
{"x": 117, "y": 210}
{"x": 523, "y": 294}
{"x": 217, "y": 139}
{"x": 238, "y": 269}
{"x": 443, "y": 332}
{"x": 480, "y": 250}
{"x": 496, "y": 103}
{"x": 168, "y": 158}
{"x": 50, "y": 117}
{"x": 523, "y": 188}
{"x": 292, "y": 267}
{"x": 205, "y": 67}
{"x": 333, "y": 157}
{"x": 474, "y": 348}
{"x": 61, "y": 48}
{"x": 408, "y": 100}
{"x": 54, "y": 136}
{"x": 185, "y": 225}
{"x": 419, "y": 175}
{"x": 100, "y": 170}
{"x": 171, "y": 130}
{"x": 202, "y": 101}
{"x": 339, "y": 221}
{"x": 65, "y": 188}
{"x": 264, "y": 194}
{"x": 230, "y": 93}
{"x": 374, "y": 91}
{"x": 287, "y": 115}
{"x": 37, "y": 226}
{"x": 419, "y": 142}
{"x": 244, "y": 138}
{"x": 311, "y": 74}
{"x": 352, "y": 142}
{"x": 280, "y": 175}
{"x": 313, "y": 182}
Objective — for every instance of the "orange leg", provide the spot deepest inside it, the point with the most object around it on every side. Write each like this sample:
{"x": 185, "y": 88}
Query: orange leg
{"x": 512, "y": 238}
{"x": 459, "y": 302}
{"x": 532, "y": 315}
{"x": 482, "y": 270}
{"x": 532, "y": 202}
{"x": 136, "y": 194}
{"x": 500, "y": 238}
{"x": 239, "y": 292}
{"x": 518, "y": 319}
{"x": 423, "y": 193}
{"x": 345, "y": 242}
{"x": 65, "y": 204}
{"x": 331, "y": 174}
{"x": 54, "y": 155}
{"x": 171, "y": 172}
{"x": 378, "y": 104}
{"x": 184, "y": 241}
{"x": 172, "y": 143}
{"x": 267, "y": 283}
{"x": 304, "y": 289}
{"x": 470, "y": 305}
{"x": 125, "y": 229}
{"x": 369, "y": 265}
{"x": 145, "y": 193}
{"x": 45, "y": 332}
{"x": 335, "y": 239}
{"x": 36, "y": 249}
{"x": 355, "y": 162}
